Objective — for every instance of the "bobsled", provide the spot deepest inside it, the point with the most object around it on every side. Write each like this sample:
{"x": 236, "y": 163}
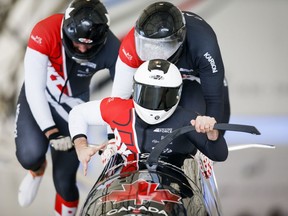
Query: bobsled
{"x": 151, "y": 184}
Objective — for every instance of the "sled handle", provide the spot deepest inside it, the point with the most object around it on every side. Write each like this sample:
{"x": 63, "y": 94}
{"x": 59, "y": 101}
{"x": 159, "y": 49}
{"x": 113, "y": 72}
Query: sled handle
{"x": 153, "y": 158}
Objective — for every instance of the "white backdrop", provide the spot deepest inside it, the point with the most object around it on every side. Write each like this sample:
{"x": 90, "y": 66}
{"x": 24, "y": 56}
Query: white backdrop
{"x": 253, "y": 39}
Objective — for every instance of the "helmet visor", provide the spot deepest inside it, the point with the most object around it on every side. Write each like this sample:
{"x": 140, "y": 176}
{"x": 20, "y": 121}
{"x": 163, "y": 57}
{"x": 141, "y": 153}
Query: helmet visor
{"x": 157, "y": 48}
{"x": 155, "y": 97}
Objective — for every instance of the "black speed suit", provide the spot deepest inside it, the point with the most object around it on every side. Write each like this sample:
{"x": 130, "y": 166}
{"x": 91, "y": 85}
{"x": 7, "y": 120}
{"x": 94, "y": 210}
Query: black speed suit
{"x": 200, "y": 63}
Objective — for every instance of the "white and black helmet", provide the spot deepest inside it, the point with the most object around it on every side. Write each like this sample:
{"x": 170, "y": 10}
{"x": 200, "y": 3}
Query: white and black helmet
{"x": 156, "y": 90}
{"x": 160, "y": 32}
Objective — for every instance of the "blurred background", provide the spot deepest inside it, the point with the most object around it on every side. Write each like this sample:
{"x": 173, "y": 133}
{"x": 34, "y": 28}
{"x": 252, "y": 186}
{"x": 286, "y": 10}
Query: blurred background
{"x": 253, "y": 36}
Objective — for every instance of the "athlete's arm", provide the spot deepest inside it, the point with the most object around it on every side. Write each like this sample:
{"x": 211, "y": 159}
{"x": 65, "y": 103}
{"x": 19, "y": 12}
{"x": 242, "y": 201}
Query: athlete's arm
{"x": 80, "y": 117}
{"x": 206, "y": 56}
{"x": 205, "y": 124}
{"x": 211, "y": 143}
{"x": 83, "y": 115}
{"x": 85, "y": 152}
{"x": 123, "y": 80}
{"x": 112, "y": 44}
{"x": 35, "y": 64}
{"x": 211, "y": 72}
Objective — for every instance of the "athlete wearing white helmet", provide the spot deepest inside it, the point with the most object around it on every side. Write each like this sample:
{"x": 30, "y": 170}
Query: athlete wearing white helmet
{"x": 141, "y": 122}
{"x": 156, "y": 91}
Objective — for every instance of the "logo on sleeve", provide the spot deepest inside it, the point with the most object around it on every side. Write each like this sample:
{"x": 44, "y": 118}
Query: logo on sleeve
{"x": 37, "y": 39}
{"x": 211, "y": 61}
{"x": 127, "y": 54}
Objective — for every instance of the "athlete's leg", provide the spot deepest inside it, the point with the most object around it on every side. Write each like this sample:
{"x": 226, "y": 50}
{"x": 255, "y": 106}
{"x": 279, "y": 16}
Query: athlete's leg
{"x": 31, "y": 143}
{"x": 31, "y": 148}
{"x": 65, "y": 166}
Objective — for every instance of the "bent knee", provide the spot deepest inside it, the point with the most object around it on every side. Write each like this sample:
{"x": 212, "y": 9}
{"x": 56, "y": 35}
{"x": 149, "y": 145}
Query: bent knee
{"x": 30, "y": 161}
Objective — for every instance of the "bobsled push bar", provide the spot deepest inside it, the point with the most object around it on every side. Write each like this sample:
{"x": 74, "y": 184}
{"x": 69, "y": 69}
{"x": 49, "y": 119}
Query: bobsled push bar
{"x": 152, "y": 160}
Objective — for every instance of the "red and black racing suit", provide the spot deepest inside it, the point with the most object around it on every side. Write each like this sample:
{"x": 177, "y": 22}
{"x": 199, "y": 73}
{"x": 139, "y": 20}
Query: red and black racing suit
{"x": 54, "y": 83}
{"x": 139, "y": 137}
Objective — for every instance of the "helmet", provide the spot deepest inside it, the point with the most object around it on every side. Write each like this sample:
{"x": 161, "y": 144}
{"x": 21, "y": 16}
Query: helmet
{"x": 156, "y": 90}
{"x": 160, "y": 32}
{"x": 85, "y": 22}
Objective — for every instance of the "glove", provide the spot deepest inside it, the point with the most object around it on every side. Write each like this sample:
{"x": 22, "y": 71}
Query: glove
{"x": 60, "y": 142}
{"x": 114, "y": 146}
{"x": 204, "y": 163}
{"x": 110, "y": 150}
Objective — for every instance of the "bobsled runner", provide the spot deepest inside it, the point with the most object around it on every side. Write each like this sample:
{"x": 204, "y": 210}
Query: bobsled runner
{"x": 150, "y": 184}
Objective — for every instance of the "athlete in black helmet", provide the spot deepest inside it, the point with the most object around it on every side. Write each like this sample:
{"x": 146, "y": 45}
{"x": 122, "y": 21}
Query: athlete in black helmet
{"x": 184, "y": 38}
{"x": 63, "y": 54}
{"x": 85, "y": 23}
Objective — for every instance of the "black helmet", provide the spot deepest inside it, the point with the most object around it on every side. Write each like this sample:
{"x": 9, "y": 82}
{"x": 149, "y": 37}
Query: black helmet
{"x": 86, "y": 22}
{"x": 160, "y": 32}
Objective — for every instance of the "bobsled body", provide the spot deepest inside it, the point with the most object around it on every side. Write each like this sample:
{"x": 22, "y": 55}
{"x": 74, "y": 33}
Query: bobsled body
{"x": 130, "y": 188}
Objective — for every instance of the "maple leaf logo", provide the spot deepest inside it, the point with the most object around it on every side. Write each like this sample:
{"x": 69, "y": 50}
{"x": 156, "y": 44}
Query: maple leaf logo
{"x": 139, "y": 191}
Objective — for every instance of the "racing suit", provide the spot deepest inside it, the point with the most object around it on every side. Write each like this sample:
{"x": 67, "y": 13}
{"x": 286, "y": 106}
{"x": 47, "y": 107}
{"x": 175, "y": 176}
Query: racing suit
{"x": 201, "y": 66}
{"x": 136, "y": 136}
{"x": 54, "y": 83}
